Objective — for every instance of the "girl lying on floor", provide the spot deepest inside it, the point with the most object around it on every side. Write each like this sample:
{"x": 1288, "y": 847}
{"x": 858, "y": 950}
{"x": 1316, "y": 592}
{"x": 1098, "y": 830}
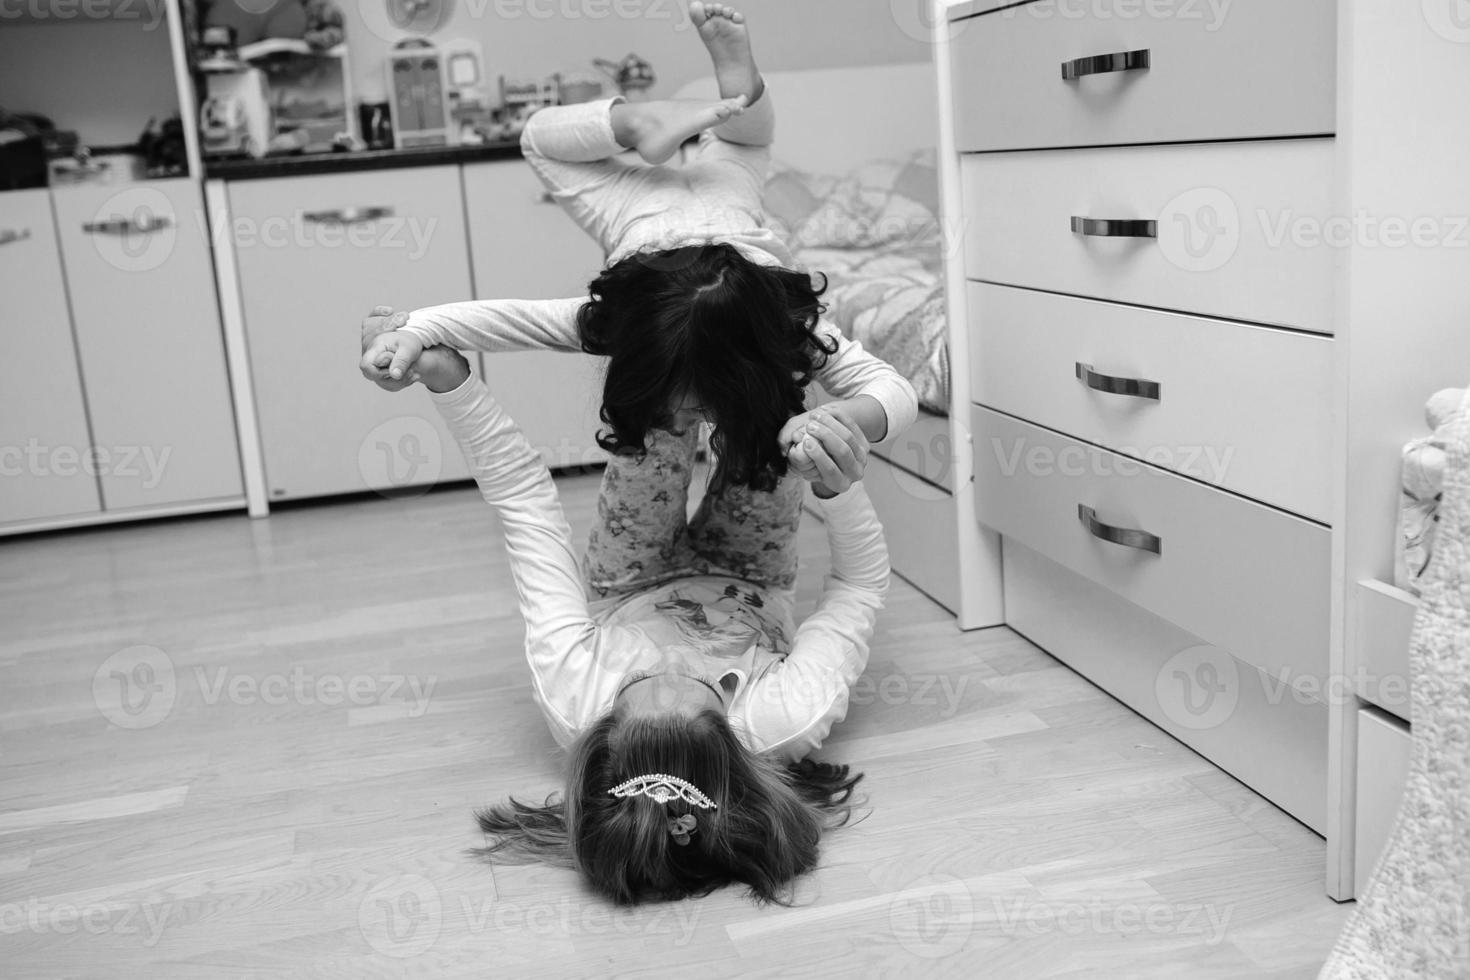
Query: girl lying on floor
{"x": 684, "y": 692}
{"x": 696, "y": 285}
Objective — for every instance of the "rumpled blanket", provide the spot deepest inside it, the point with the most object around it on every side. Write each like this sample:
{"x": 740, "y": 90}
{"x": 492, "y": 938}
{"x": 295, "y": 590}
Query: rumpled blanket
{"x": 874, "y": 234}
{"x": 1413, "y": 919}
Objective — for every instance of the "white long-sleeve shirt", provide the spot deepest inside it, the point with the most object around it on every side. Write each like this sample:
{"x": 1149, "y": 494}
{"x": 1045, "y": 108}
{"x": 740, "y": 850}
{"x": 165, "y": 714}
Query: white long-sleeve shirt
{"x": 551, "y": 324}
{"x": 579, "y": 658}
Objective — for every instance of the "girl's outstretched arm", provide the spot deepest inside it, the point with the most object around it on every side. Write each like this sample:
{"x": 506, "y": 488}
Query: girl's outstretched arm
{"x": 852, "y": 371}
{"x": 496, "y": 324}
{"x": 560, "y": 634}
{"x": 795, "y": 704}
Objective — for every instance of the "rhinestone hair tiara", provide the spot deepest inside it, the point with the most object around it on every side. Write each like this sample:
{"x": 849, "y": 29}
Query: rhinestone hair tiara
{"x": 661, "y": 788}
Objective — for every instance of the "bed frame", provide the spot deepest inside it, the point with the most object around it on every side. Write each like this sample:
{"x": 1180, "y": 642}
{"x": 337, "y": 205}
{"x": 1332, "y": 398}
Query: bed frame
{"x": 829, "y": 121}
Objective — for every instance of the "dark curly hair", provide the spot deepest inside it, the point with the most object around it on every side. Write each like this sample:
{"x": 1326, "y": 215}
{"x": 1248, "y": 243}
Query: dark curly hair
{"x": 703, "y": 321}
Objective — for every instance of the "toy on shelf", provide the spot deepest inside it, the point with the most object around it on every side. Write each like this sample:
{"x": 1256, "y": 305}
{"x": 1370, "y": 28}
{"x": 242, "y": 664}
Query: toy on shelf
{"x": 633, "y": 76}
{"x": 418, "y": 94}
{"x": 464, "y": 83}
{"x": 518, "y": 100}
{"x": 310, "y": 94}
{"x": 161, "y": 145}
{"x": 1423, "y": 479}
{"x": 276, "y": 78}
{"x": 235, "y": 117}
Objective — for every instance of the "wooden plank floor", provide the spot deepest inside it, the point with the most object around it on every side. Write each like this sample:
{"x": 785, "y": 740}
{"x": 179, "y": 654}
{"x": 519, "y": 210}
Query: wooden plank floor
{"x": 234, "y": 748}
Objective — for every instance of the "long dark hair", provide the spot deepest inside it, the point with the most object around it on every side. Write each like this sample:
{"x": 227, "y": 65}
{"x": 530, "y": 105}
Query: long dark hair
{"x": 705, "y": 322}
{"x": 764, "y": 832}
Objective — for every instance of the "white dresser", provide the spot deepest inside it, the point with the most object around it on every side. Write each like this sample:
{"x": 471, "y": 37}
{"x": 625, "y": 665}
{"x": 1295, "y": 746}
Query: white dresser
{"x": 1150, "y": 290}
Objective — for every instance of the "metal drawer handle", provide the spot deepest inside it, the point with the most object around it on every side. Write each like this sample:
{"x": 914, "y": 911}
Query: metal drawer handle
{"x": 8, "y": 235}
{"x": 1126, "y": 536}
{"x": 130, "y": 226}
{"x": 1100, "y": 64}
{"x": 1137, "y": 387}
{"x": 1115, "y": 227}
{"x": 348, "y": 216}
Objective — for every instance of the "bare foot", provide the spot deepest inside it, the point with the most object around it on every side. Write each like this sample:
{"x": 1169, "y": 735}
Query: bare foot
{"x": 722, "y": 29}
{"x": 657, "y": 129}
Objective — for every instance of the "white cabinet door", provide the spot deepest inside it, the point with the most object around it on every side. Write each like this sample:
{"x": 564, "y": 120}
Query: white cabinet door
{"x": 43, "y": 422}
{"x": 315, "y": 254}
{"x": 524, "y": 246}
{"x": 143, "y": 300}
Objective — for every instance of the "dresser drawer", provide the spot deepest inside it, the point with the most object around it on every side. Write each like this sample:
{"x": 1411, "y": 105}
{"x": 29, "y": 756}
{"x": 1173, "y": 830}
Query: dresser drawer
{"x": 1385, "y": 748}
{"x": 1233, "y": 221}
{"x": 1249, "y": 69}
{"x": 1231, "y": 713}
{"x": 1242, "y": 407}
{"x": 1242, "y": 576}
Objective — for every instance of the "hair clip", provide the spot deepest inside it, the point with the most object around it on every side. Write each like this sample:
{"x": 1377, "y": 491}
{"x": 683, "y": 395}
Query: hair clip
{"x": 661, "y": 788}
{"x": 681, "y": 827}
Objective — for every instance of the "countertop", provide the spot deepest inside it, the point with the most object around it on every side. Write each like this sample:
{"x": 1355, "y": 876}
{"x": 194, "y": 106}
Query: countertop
{"x": 304, "y": 164}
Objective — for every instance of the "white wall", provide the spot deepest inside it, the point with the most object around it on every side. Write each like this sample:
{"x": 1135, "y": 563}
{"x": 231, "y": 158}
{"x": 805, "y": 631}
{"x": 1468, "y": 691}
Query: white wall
{"x": 101, "y": 78}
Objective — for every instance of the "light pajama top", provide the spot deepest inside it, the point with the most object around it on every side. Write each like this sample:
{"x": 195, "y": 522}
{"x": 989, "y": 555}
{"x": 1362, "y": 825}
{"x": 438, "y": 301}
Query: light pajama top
{"x": 579, "y": 656}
